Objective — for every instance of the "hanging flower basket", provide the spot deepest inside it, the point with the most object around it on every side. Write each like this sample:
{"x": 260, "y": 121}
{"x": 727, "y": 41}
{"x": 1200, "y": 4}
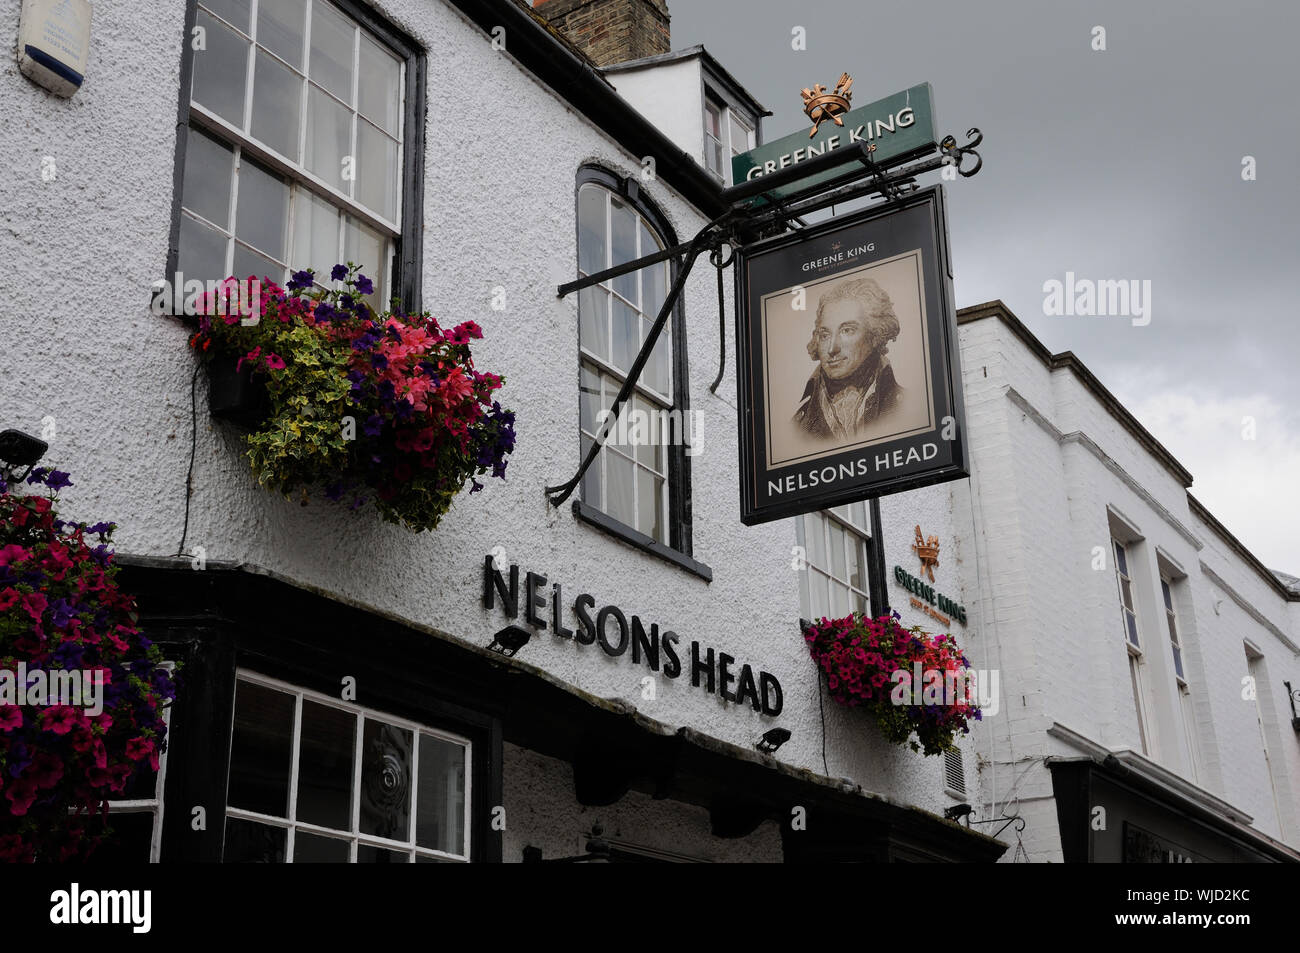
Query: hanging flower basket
{"x": 82, "y": 691}
{"x": 916, "y": 686}
{"x": 385, "y": 409}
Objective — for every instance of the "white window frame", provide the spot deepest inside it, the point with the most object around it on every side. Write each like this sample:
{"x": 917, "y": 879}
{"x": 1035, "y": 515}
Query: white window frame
{"x": 1128, "y": 607}
{"x": 726, "y": 144}
{"x": 609, "y": 375}
{"x": 151, "y": 805}
{"x": 1171, "y": 618}
{"x": 354, "y": 837}
{"x": 298, "y": 175}
{"x": 824, "y": 521}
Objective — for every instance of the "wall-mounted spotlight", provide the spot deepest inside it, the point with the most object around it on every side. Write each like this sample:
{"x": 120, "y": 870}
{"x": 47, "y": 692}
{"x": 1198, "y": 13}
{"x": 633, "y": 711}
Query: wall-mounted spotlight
{"x": 510, "y": 640}
{"x": 18, "y": 449}
{"x": 773, "y": 739}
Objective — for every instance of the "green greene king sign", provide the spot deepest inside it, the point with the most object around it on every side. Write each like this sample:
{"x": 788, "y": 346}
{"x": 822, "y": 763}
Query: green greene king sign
{"x": 901, "y": 126}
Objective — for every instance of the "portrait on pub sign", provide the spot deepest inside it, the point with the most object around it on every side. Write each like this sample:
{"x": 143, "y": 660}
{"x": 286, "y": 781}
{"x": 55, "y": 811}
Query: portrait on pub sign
{"x": 846, "y": 361}
{"x": 849, "y": 380}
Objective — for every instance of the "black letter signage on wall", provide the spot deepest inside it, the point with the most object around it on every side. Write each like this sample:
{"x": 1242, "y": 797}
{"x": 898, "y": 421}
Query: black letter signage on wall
{"x": 849, "y": 382}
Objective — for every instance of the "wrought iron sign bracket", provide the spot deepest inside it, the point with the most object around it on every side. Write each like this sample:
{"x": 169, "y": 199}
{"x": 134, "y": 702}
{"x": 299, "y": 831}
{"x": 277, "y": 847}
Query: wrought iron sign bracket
{"x": 737, "y": 225}
{"x": 710, "y": 237}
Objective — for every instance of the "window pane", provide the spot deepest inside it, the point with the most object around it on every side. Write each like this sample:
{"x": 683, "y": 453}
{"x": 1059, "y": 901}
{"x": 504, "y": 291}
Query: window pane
{"x": 856, "y": 575}
{"x": 622, "y": 226}
{"x": 331, "y": 51}
{"x": 325, "y": 766}
{"x": 378, "y": 855}
{"x": 1120, "y": 559}
{"x": 712, "y": 120}
{"x": 369, "y": 249}
{"x": 1164, "y": 591}
{"x": 1132, "y": 627}
{"x": 654, "y": 288}
{"x": 593, "y": 320}
{"x": 739, "y": 135}
{"x": 220, "y": 70}
{"x": 819, "y": 592}
{"x": 1178, "y": 661}
{"x": 376, "y": 170}
{"x": 591, "y": 479}
{"x": 262, "y": 219}
{"x": 316, "y": 235}
{"x": 655, "y": 374}
{"x": 208, "y": 168}
{"x": 249, "y": 263}
{"x": 202, "y": 251}
{"x": 649, "y": 435}
{"x": 591, "y": 229}
{"x": 839, "y": 600}
{"x": 280, "y": 26}
{"x": 386, "y": 781}
{"x": 277, "y": 99}
{"x": 261, "y": 750}
{"x": 1126, "y": 593}
{"x": 838, "y": 569}
{"x": 859, "y": 602}
{"x": 1173, "y": 629}
{"x": 380, "y": 86}
{"x": 232, "y": 11}
{"x": 620, "y": 487}
{"x": 859, "y": 514}
{"x": 815, "y": 540}
{"x": 329, "y": 139}
{"x": 649, "y": 503}
{"x": 248, "y": 842}
{"x": 589, "y": 405}
{"x": 627, "y": 335}
{"x": 440, "y": 823}
{"x": 314, "y": 849}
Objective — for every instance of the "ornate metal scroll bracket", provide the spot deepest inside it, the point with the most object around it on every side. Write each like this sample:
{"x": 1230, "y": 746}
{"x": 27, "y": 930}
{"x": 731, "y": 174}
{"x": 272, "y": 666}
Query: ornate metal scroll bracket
{"x": 948, "y": 146}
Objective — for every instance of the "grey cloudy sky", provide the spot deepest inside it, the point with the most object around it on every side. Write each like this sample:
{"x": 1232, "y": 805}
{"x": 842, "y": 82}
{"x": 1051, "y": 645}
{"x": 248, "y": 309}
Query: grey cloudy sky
{"x": 1119, "y": 164}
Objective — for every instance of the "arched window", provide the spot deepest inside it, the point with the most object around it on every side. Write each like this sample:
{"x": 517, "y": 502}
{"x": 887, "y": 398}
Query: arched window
{"x": 639, "y": 478}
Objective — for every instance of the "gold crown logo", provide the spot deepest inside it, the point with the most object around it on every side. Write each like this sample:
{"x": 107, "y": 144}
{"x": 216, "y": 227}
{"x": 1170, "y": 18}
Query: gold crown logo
{"x": 820, "y": 105}
{"x": 927, "y": 550}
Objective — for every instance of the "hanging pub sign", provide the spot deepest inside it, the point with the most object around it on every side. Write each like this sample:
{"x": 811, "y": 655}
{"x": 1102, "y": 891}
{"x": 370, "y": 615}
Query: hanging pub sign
{"x": 849, "y": 382}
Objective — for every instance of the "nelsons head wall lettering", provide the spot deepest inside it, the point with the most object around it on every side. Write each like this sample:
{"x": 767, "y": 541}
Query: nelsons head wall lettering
{"x": 619, "y": 635}
{"x": 927, "y": 592}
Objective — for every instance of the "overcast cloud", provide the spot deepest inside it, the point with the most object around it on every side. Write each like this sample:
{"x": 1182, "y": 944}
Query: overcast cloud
{"x": 1122, "y": 164}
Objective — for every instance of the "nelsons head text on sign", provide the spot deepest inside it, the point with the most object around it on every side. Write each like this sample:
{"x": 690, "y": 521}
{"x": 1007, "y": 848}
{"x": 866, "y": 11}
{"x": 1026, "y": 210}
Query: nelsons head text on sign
{"x": 620, "y": 635}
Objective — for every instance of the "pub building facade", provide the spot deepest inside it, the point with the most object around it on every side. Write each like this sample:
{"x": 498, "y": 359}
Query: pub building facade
{"x": 338, "y": 697}
{"x": 339, "y": 700}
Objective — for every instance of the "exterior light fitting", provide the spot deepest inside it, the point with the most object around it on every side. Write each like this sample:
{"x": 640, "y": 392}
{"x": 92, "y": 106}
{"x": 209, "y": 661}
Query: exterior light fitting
{"x": 18, "y": 449}
{"x": 773, "y": 739}
{"x": 509, "y": 640}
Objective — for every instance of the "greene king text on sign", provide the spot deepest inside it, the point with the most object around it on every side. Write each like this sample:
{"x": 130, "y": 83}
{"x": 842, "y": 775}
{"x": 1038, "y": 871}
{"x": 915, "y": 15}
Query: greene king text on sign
{"x": 901, "y": 126}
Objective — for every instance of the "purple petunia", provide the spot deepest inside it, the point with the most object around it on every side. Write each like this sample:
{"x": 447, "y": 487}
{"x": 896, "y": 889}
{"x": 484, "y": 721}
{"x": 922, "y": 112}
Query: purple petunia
{"x": 364, "y": 285}
{"x": 300, "y": 280}
{"x": 339, "y": 272}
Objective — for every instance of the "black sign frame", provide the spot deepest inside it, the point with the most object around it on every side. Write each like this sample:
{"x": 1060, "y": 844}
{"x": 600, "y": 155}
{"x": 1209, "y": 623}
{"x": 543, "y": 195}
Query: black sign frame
{"x": 916, "y": 223}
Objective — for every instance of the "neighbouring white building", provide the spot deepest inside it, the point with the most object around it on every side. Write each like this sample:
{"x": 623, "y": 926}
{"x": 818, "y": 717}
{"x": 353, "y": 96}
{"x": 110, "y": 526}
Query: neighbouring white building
{"x": 1146, "y": 655}
{"x": 501, "y": 151}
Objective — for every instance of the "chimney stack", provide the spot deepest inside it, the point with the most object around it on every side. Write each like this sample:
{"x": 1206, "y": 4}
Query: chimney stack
{"x": 611, "y": 31}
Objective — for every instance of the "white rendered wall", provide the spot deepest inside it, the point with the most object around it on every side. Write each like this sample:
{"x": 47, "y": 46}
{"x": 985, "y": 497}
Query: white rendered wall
{"x": 1051, "y": 464}
{"x": 672, "y": 97}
